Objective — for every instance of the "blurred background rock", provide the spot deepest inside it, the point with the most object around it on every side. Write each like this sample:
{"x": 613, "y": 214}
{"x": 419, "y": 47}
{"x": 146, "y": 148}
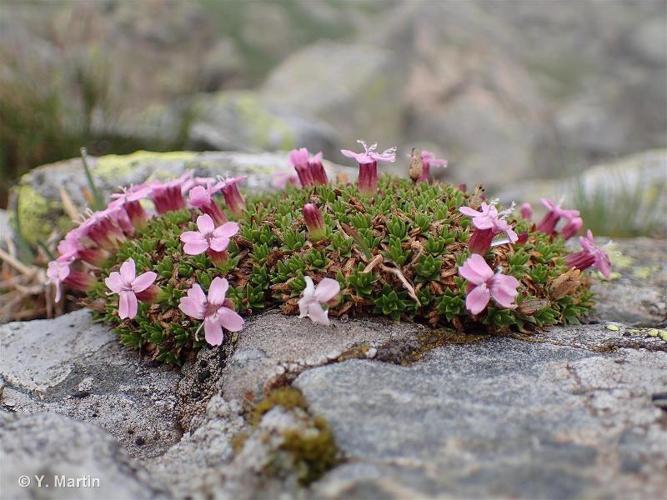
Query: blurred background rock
{"x": 509, "y": 91}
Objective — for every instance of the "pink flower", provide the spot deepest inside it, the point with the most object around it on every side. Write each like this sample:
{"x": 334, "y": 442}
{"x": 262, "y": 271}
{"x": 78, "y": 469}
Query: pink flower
{"x": 201, "y": 197}
{"x": 168, "y": 196}
{"x": 488, "y": 222}
{"x": 553, "y": 215}
{"x": 486, "y": 286}
{"x": 130, "y": 201}
{"x": 308, "y": 168}
{"x": 230, "y": 191}
{"x": 59, "y": 272}
{"x": 429, "y": 160}
{"x": 571, "y": 227}
{"x": 368, "y": 175}
{"x": 103, "y": 229}
{"x": 590, "y": 256}
{"x": 208, "y": 236}
{"x": 280, "y": 180}
{"x": 128, "y": 285}
{"x": 526, "y": 211}
{"x": 314, "y": 221}
{"x": 310, "y": 304}
{"x": 214, "y": 310}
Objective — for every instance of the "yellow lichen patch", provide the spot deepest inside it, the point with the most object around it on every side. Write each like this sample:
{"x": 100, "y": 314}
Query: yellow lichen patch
{"x": 642, "y": 272}
{"x": 33, "y": 212}
{"x": 111, "y": 166}
{"x": 287, "y": 397}
{"x": 314, "y": 450}
{"x": 618, "y": 260}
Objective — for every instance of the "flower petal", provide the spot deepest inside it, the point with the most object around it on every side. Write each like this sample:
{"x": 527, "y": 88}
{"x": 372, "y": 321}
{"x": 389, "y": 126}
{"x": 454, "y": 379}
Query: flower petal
{"x": 477, "y": 299}
{"x": 317, "y": 314}
{"x": 228, "y": 229}
{"x": 219, "y": 244}
{"x": 191, "y": 308}
{"x": 195, "y": 248}
{"x": 205, "y": 224}
{"x": 127, "y": 305}
{"x": 230, "y": 320}
{"x": 114, "y": 282}
{"x": 504, "y": 290}
{"x": 326, "y": 290}
{"x": 217, "y": 291}
{"x": 192, "y": 237}
{"x": 470, "y": 212}
{"x": 213, "y": 331}
{"x": 476, "y": 270}
{"x": 143, "y": 281}
{"x": 128, "y": 271}
{"x": 304, "y": 302}
{"x": 309, "y": 291}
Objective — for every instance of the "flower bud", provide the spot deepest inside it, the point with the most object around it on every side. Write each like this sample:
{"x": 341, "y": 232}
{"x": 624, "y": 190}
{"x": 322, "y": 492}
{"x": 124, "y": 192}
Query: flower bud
{"x": 314, "y": 221}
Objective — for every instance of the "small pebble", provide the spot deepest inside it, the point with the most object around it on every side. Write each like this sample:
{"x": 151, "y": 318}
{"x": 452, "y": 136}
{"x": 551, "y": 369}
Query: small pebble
{"x": 613, "y": 328}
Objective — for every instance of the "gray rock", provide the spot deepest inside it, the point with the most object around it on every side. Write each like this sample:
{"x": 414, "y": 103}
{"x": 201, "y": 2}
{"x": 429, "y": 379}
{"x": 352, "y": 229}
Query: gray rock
{"x": 452, "y": 423}
{"x": 244, "y": 121}
{"x": 5, "y": 228}
{"x": 39, "y": 452}
{"x": 74, "y": 367}
{"x": 356, "y": 88}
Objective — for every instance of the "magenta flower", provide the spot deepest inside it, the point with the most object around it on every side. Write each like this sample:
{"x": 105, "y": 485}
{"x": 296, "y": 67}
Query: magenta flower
{"x": 310, "y": 304}
{"x": 208, "y": 237}
{"x": 309, "y": 168}
{"x": 168, "y": 196}
{"x": 201, "y": 197}
{"x": 230, "y": 191}
{"x": 429, "y": 160}
{"x": 572, "y": 227}
{"x": 590, "y": 256}
{"x": 368, "y": 174}
{"x": 485, "y": 285}
{"x": 129, "y": 286}
{"x": 554, "y": 214}
{"x": 488, "y": 223}
{"x": 214, "y": 310}
{"x": 103, "y": 229}
{"x": 314, "y": 221}
{"x": 526, "y": 211}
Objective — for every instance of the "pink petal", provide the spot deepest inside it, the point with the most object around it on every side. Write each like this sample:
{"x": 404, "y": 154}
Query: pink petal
{"x": 477, "y": 299}
{"x": 228, "y": 229}
{"x": 143, "y": 281}
{"x": 128, "y": 271}
{"x": 114, "y": 282}
{"x": 317, "y": 314}
{"x": 199, "y": 196}
{"x": 326, "y": 290}
{"x": 219, "y": 244}
{"x": 503, "y": 290}
{"x": 127, "y": 305}
{"x": 470, "y": 212}
{"x": 298, "y": 156}
{"x": 192, "y": 237}
{"x": 230, "y": 320}
{"x": 205, "y": 224}
{"x": 483, "y": 222}
{"x": 191, "y": 307}
{"x": 217, "y": 291}
{"x": 213, "y": 331}
{"x": 304, "y": 302}
{"x": 195, "y": 248}
{"x": 309, "y": 291}
{"x": 476, "y": 270}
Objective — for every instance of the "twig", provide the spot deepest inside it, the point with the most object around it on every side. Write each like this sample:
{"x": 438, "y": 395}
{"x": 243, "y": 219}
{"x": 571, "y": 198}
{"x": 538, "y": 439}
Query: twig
{"x": 17, "y": 264}
{"x": 403, "y": 280}
{"x": 378, "y": 259}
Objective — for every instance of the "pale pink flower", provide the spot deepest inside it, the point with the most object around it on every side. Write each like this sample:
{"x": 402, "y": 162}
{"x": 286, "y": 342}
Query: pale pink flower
{"x": 130, "y": 200}
{"x": 168, "y": 196}
{"x": 590, "y": 256}
{"x": 429, "y": 160}
{"x": 214, "y": 310}
{"x": 57, "y": 272}
{"x": 308, "y": 168}
{"x": 208, "y": 236}
{"x": 571, "y": 227}
{"x": 127, "y": 285}
{"x": 201, "y": 197}
{"x": 310, "y": 304}
{"x": 485, "y": 285}
{"x": 368, "y": 175}
{"x": 553, "y": 215}
{"x": 230, "y": 190}
{"x": 488, "y": 222}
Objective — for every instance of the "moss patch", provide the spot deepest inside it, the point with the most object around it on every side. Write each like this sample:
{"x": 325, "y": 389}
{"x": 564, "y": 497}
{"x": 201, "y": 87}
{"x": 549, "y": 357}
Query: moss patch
{"x": 286, "y": 397}
{"x": 113, "y": 166}
{"x": 314, "y": 452}
{"x": 35, "y": 214}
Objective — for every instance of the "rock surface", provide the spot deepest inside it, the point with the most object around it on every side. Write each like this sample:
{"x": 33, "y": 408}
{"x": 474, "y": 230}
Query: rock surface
{"x": 575, "y": 411}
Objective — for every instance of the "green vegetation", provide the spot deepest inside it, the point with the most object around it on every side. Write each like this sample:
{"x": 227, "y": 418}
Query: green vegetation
{"x": 394, "y": 254}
